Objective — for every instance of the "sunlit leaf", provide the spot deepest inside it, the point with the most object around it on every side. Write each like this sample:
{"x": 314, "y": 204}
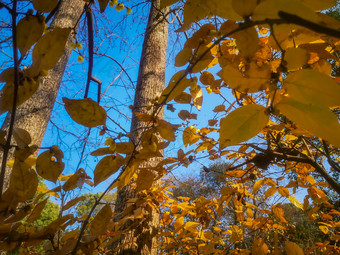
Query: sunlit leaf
{"x": 283, "y": 191}
{"x": 85, "y": 112}
{"x": 271, "y": 191}
{"x": 312, "y": 87}
{"x": 197, "y": 96}
{"x": 279, "y": 213}
{"x": 101, "y": 221}
{"x": 318, "y": 120}
{"x": 193, "y": 11}
{"x": 166, "y": 130}
{"x": 257, "y": 185}
{"x": 242, "y": 124}
{"x": 190, "y": 136}
{"x": 324, "y": 229}
{"x": 29, "y": 30}
{"x": 259, "y": 247}
{"x": 255, "y": 79}
{"x": 295, "y": 202}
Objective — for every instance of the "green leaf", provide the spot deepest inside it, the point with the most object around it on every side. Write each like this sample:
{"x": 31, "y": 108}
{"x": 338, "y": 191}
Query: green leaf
{"x": 242, "y": 124}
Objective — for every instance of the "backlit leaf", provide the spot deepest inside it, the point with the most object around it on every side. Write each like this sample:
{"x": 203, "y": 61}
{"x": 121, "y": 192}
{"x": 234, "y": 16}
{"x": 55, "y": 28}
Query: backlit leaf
{"x": 242, "y": 124}
{"x": 166, "y": 130}
{"x": 22, "y": 137}
{"x": 283, "y": 191}
{"x": 295, "y": 202}
{"x": 279, "y": 213}
{"x": 145, "y": 179}
{"x": 106, "y": 167}
{"x": 318, "y": 120}
{"x": 247, "y": 42}
{"x": 27, "y": 87}
{"x": 166, "y": 3}
{"x": 49, "y": 164}
{"x": 72, "y": 203}
{"x": 101, "y": 221}
{"x": 244, "y": 7}
{"x": 29, "y": 30}
{"x": 37, "y": 210}
{"x": 174, "y": 89}
{"x": 125, "y": 147}
{"x": 271, "y": 191}
{"x": 255, "y": 79}
{"x": 23, "y": 181}
{"x": 75, "y": 181}
{"x": 85, "y": 112}
{"x": 221, "y": 8}
{"x": 259, "y": 247}
{"x": 197, "y": 96}
{"x": 193, "y": 11}
{"x": 293, "y": 249}
{"x": 257, "y": 185}
{"x": 312, "y": 87}
{"x": 44, "y": 5}
{"x": 190, "y": 136}
{"x": 318, "y": 5}
{"x": 183, "y": 57}
{"x": 49, "y": 49}
{"x": 296, "y": 58}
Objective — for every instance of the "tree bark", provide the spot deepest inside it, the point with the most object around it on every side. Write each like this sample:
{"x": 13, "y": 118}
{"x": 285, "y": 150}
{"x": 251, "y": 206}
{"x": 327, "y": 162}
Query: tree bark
{"x": 150, "y": 83}
{"x": 34, "y": 114}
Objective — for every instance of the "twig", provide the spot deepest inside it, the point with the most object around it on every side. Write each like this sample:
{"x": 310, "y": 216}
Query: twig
{"x": 15, "y": 97}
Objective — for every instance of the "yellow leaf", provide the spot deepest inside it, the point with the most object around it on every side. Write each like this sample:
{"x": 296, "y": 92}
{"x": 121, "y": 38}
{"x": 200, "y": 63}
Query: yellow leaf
{"x": 102, "y": 151}
{"x": 191, "y": 226}
{"x": 279, "y": 213}
{"x": 271, "y": 191}
{"x": 221, "y": 8}
{"x": 29, "y": 30}
{"x": 166, "y": 3}
{"x": 207, "y": 78}
{"x": 242, "y": 124}
{"x": 103, "y": 5}
{"x": 255, "y": 79}
{"x": 296, "y": 58}
{"x": 295, "y": 202}
{"x": 183, "y": 98}
{"x": 23, "y": 181}
{"x": 247, "y": 41}
{"x": 293, "y": 249}
{"x": 85, "y": 112}
{"x": 244, "y": 8}
{"x": 101, "y": 221}
{"x": 49, "y": 49}
{"x": 318, "y": 5}
{"x": 37, "y": 210}
{"x": 237, "y": 234}
{"x": 106, "y": 167}
{"x": 22, "y": 137}
{"x": 183, "y": 57}
{"x": 259, "y": 247}
{"x": 190, "y": 136}
{"x": 197, "y": 96}
{"x": 174, "y": 89}
{"x": 324, "y": 229}
{"x": 76, "y": 180}
{"x": 283, "y": 191}
{"x": 166, "y": 130}
{"x": 126, "y": 176}
{"x": 27, "y": 87}
{"x": 145, "y": 179}
{"x": 72, "y": 203}
{"x": 257, "y": 185}
{"x": 310, "y": 179}
{"x": 205, "y": 61}
{"x": 193, "y": 11}
{"x": 125, "y": 147}
{"x": 318, "y": 120}
{"x": 269, "y": 10}
{"x": 46, "y": 165}
{"x": 44, "y": 5}
{"x": 312, "y": 87}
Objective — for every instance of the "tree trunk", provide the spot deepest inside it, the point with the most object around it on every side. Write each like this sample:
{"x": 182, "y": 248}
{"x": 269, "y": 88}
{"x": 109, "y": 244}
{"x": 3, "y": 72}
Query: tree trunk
{"x": 34, "y": 114}
{"x": 150, "y": 83}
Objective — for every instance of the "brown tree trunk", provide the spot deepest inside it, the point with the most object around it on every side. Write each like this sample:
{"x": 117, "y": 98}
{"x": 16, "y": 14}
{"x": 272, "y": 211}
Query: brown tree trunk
{"x": 150, "y": 83}
{"x": 34, "y": 114}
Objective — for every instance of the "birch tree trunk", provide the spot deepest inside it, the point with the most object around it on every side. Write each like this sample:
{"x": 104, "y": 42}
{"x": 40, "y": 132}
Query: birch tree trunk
{"x": 34, "y": 114}
{"x": 150, "y": 83}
